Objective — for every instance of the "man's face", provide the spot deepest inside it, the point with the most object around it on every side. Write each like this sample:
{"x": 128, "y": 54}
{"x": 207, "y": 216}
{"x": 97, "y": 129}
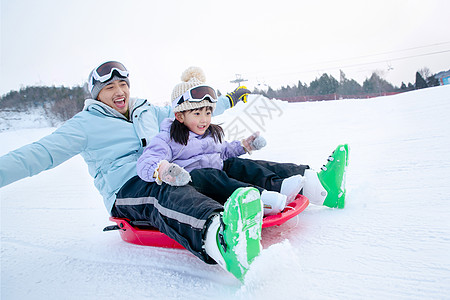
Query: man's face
{"x": 116, "y": 95}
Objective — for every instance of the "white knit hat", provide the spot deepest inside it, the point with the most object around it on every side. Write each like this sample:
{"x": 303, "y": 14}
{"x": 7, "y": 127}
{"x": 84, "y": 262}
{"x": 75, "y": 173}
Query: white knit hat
{"x": 192, "y": 77}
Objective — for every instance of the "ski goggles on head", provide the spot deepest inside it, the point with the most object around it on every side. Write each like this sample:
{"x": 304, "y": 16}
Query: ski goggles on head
{"x": 106, "y": 71}
{"x": 197, "y": 94}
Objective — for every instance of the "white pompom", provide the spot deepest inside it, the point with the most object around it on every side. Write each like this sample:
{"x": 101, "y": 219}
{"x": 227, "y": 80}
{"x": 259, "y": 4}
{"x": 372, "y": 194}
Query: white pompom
{"x": 193, "y": 73}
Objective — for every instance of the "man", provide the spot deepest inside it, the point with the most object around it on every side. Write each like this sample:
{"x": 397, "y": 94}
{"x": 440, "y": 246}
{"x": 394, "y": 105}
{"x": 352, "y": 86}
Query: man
{"x": 110, "y": 134}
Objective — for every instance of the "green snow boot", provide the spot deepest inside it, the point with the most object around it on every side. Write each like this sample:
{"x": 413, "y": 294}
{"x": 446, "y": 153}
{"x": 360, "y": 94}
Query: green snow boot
{"x": 332, "y": 177}
{"x": 233, "y": 239}
{"x": 327, "y": 187}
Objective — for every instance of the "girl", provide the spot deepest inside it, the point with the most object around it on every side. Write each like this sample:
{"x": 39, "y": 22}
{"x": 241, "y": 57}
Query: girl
{"x": 190, "y": 143}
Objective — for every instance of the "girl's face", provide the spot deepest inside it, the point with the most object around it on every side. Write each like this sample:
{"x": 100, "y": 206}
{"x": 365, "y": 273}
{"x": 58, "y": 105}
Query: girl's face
{"x": 197, "y": 120}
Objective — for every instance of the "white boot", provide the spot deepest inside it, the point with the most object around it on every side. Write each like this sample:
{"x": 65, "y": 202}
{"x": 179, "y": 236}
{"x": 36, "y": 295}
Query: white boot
{"x": 211, "y": 243}
{"x": 291, "y": 187}
{"x": 313, "y": 189}
{"x": 273, "y": 202}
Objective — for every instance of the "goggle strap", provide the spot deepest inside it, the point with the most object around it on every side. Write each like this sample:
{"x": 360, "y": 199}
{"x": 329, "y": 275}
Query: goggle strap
{"x": 181, "y": 100}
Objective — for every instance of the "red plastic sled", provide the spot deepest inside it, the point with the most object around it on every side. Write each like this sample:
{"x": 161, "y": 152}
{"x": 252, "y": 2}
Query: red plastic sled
{"x": 140, "y": 233}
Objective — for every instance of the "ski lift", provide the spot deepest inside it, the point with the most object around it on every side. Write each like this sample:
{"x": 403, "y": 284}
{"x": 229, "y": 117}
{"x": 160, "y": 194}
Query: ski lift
{"x": 390, "y": 67}
{"x": 238, "y": 79}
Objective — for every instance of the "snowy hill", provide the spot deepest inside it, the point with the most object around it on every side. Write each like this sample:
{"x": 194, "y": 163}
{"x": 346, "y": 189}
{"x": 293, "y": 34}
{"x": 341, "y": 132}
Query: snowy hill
{"x": 390, "y": 242}
{"x": 35, "y": 118}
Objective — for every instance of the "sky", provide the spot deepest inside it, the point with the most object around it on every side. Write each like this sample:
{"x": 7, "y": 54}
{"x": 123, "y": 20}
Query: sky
{"x": 268, "y": 43}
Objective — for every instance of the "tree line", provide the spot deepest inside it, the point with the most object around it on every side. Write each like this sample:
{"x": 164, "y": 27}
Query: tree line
{"x": 62, "y": 103}
{"x": 327, "y": 85}
{"x": 58, "y": 103}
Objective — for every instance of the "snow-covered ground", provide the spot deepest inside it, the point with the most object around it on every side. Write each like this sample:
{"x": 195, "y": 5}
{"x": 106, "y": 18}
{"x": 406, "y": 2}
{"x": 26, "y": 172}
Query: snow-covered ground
{"x": 34, "y": 118}
{"x": 392, "y": 240}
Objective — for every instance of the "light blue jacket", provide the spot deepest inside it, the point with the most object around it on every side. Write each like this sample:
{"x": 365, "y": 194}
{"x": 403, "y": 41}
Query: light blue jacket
{"x": 109, "y": 143}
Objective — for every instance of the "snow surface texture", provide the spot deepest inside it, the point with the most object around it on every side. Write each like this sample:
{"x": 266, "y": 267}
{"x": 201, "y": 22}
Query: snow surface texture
{"x": 391, "y": 241}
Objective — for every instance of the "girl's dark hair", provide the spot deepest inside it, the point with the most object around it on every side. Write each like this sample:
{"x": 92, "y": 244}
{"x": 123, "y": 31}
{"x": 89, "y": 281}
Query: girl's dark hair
{"x": 180, "y": 133}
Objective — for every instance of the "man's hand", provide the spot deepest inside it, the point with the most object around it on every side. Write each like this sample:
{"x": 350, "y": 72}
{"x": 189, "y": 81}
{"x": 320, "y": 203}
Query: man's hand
{"x": 239, "y": 94}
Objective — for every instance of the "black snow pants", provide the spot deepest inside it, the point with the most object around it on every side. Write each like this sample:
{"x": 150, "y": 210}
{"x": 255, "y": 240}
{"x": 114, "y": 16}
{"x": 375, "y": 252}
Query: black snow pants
{"x": 182, "y": 212}
{"x": 238, "y": 172}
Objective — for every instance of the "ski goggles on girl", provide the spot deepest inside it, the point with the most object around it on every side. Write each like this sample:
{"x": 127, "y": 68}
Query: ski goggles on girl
{"x": 106, "y": 71}
{"x": 197, "y": 94}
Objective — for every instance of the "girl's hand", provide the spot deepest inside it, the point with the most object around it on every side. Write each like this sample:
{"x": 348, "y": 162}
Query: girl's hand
{"x": 171, "y": 174}
{"x": 253, "y": 142}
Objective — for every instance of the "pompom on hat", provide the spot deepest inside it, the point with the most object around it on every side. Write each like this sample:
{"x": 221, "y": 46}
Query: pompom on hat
{"x": 191, "y": 77}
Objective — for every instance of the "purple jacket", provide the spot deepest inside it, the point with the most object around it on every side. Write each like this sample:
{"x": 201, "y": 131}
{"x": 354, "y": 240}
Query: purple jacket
{"x": 200, "y": 152}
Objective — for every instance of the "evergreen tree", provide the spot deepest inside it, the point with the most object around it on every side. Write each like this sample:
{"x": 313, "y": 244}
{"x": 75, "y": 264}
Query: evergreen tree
{"x": 432, "y": 81}
{"x": 420, "y": 82}
{"x": 302, "y": 89}
{"x": 350, "y": 87}
{"x": 270, "y": 93}
{"x": 342, "y": 78}
{"x": 376, "y": 84}
{"x": 325, "y": 85}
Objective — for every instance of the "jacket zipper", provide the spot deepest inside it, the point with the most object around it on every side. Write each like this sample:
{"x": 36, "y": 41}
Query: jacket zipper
{"x": 134, "y": 109}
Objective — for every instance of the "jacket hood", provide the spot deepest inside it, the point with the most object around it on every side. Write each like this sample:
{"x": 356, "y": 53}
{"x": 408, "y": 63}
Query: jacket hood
{"x": 165, "y": 125}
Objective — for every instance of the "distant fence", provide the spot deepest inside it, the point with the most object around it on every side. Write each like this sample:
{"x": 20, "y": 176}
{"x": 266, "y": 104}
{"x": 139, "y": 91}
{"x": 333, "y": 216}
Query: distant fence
{"x": 334, "y": 97}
